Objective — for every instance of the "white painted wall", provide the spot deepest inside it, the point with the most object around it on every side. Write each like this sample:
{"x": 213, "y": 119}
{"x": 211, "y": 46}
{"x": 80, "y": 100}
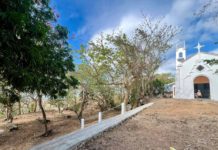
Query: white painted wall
{"x": 187, "y": 72}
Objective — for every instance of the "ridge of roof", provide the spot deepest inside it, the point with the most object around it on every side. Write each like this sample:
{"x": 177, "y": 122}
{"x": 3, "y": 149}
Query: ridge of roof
{"x": 202, "y": 53}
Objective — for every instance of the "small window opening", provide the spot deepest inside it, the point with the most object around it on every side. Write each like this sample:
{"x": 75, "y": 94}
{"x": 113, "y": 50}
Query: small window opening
{"x": 200, "y": 68}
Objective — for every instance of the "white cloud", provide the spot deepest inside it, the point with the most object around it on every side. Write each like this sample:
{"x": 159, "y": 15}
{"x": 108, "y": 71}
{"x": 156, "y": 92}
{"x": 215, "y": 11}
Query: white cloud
{"x": 181, "y": 11}
{"x": 214, "y": 51}
{"x": 127, "y": 25}
{"x": 169, "y": 66}
{"x": 205, "y": 37}
{"x": 182, "y": 14}
{"x": 209, "y": 25}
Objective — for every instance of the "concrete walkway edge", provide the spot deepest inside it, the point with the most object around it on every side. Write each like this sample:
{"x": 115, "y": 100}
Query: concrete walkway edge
{"x": 74, "y": 139}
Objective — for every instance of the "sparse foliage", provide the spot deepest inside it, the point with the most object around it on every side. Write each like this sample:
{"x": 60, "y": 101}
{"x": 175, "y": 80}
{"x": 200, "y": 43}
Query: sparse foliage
{"x": 128, "y": 60}
{"x": 212, "y": 61}
{"x": 166, "y": 78}
{"x": 209, "y": 9}
{"x": 59, "y": 103}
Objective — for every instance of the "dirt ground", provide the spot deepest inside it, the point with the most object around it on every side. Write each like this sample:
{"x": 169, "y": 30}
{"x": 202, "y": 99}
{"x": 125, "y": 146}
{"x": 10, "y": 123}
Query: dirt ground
{"x": 181, "y": 124}
{"x": 30, "y": 128}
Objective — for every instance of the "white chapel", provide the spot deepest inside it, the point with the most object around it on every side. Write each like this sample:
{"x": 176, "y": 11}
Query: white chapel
{"x": 194, "y": 74}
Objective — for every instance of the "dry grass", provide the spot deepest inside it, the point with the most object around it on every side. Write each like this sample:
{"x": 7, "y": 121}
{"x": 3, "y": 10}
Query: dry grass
{"x": 30, "y": 128}
{"x": 182, "y": 124}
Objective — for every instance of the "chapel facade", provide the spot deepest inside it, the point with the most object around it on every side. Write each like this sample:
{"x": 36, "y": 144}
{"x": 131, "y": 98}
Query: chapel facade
{"x": 193, "y": 74}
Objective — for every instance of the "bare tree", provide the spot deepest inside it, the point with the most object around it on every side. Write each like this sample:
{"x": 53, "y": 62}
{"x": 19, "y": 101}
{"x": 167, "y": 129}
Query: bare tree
{"x": 128, "y": 62}
{"x": 209, "y": 9}
{"x": 143, "y": 53}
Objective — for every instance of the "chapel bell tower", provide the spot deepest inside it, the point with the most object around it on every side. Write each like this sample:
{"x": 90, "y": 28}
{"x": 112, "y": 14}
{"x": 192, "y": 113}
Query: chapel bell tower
{"x": 180, "y": 56}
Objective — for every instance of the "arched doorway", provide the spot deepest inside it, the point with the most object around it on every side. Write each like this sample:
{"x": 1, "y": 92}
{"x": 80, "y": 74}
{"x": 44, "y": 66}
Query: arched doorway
{"x": 202, "y": 83}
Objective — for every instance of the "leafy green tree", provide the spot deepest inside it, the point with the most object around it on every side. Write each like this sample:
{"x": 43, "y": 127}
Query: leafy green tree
{"x": 51, "y": 74}
{"x": 166, "y": 78}
{"x": 8, "y": 97}
{"x": 94, "y": 86}
{"x": 34, "y": 53}
{"x": 158, "y": 87}
{"x": 23, "y": 29}
{"x": 59, "y": 103}
{"x": 212, "y": 61}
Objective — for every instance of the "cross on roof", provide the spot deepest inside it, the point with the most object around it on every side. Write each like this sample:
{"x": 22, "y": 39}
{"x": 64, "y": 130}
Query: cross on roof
{"x": 199, "y": 46}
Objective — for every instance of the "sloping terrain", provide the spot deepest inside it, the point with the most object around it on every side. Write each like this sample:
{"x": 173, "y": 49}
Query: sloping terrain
{"x": 182, "y": 124}
{"x": 30, "y": 128}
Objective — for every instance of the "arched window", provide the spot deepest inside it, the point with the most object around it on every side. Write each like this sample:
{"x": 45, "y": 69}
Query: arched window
{"x": 180, "y": 55}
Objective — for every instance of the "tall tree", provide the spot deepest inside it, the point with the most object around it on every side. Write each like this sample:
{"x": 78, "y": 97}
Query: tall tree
{"x": 130, "y": 60}
{"x": 34, "y": 56}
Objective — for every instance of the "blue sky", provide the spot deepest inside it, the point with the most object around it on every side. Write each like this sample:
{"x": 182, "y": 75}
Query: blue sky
{"x": 85, "y": 19}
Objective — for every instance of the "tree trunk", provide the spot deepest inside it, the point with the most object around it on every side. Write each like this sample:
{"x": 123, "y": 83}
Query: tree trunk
{"x": 6, "y": 113}
{"x": 10, "y": 116}
{"x": 35, "y": 106}
{"x": 19, "y": 107}
{"x": 59, "y": 108}
{"x": 126, "y": 97}
{"x": 43, "y": 114}
{"x": 82, "y": 106}
{"x": 80, "y": 114}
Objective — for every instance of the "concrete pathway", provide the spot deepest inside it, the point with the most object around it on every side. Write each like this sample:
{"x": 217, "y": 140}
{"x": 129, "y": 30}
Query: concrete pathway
{"x": 74, "y": 139}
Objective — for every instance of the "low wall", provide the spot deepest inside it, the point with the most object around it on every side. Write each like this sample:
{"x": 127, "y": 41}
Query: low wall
{"x": 74, "y": 139}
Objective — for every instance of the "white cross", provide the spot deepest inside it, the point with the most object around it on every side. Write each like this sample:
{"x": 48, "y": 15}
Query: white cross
{"x": 199, "y": 46}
